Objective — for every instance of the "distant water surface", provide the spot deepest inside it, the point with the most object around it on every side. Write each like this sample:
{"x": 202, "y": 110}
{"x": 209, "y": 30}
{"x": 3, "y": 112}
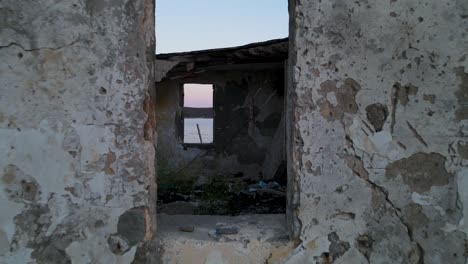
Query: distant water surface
{"x": 191, "y": 133}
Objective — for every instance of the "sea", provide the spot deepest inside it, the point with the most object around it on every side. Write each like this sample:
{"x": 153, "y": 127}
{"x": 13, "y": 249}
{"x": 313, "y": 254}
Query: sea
{"x": 191, "y": 133}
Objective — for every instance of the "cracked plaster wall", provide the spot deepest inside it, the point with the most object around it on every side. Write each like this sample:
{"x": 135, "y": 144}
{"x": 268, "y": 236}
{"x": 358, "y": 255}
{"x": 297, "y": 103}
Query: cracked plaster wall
{"x": 378, "y": 129}
{"x": 76, "y": 144}
{"x": 377, "y": 117}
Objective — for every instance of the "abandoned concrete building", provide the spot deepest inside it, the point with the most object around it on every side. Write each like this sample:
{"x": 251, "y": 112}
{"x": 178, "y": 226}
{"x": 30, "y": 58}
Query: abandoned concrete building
{"x": 247, "y": 115}
{"x": 344, "y": 143}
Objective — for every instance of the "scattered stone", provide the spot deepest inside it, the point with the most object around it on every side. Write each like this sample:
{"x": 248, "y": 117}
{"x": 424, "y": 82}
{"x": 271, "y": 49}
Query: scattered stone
{"x": 227, "y": 231}
{"x": 187, "y": 229}
{"x": 213, "y": 235}
{"x": 226, "y": 196}
{"x": 177, "y": 208}
{"x": 272, "y": 192}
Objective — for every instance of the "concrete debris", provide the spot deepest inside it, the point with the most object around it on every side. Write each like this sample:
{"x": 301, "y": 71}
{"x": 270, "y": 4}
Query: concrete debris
{"x": 223, "y": 196}
{"x": 226, "y": 231}
{"x": 186, "y": 229}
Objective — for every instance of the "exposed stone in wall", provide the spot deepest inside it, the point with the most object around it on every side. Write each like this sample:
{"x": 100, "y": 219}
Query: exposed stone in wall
{"x": 377, "y": 120}
{"x": 377, "y": 115}
{"x": 337, "y": 101}
{"x": 462, "y": 93}
{"x": 420, "y": 171}
{"x": 19, "y": 186}
{"x": 75, "y": 155}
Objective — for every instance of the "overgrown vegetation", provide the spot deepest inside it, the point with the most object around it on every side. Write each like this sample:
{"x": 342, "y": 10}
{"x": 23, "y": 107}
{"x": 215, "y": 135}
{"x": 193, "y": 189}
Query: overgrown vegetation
{"x": 219, "y": 196}
{"x": 180, "y": 183}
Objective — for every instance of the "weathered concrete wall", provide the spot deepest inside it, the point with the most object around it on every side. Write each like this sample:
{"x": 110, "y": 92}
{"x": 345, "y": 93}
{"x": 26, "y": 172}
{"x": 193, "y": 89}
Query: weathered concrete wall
{"x": 376, "y": 109}
{"x": 378, "y": 118}
{"x": 76, "y": 157}
{"x": 239, "y": 145}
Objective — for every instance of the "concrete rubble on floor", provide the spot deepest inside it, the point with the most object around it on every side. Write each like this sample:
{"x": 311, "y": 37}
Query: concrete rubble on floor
{"x": 251, "y": 239}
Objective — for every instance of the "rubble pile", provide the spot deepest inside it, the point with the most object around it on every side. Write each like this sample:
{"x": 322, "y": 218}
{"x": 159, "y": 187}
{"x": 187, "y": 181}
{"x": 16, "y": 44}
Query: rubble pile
{"x": 235, "y": 195}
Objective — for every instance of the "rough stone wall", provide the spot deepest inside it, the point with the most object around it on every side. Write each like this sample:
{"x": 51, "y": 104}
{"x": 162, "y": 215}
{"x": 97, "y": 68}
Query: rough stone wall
{"x": 379, "y": 124}
{"x": 76, "y": 157}
{"x": 240, "y": 145}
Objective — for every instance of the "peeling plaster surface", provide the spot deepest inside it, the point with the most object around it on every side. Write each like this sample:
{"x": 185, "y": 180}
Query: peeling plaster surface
{"x": 73, "y": 156}
{"x": 376, "y": 119}
{"x": 376, "y": 113}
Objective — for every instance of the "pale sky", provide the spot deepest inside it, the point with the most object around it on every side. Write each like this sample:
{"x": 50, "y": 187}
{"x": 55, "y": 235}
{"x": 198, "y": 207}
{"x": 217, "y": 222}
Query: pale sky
{"x": 186, "y": 25}
{"x": 198, "y": 95}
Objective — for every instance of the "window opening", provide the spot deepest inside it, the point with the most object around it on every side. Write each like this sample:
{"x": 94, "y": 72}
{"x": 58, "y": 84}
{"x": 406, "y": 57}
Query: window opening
{"x": 198, "y": 113}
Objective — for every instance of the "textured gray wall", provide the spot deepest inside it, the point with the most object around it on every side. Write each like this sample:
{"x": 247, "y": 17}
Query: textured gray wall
{"x": 76, "y": 157}
{"x": 378, "y": 126}
{"x": 377, "y": 116}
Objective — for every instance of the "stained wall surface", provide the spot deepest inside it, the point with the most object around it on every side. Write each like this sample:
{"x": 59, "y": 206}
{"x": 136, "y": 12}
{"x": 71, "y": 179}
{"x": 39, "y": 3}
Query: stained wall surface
{"x": 377, "y": 120}
{"x": 76, "y": 151}
{"x": 378, "y": 124}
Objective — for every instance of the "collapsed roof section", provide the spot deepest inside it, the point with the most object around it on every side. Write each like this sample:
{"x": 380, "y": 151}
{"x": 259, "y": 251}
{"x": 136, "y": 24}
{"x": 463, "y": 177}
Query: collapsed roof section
{"x": 260, "y": 55}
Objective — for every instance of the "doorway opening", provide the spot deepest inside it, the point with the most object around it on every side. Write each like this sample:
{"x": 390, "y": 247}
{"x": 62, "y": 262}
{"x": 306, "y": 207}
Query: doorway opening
{"x": 220, "y": 120}
{"x": 221, "y": 134}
